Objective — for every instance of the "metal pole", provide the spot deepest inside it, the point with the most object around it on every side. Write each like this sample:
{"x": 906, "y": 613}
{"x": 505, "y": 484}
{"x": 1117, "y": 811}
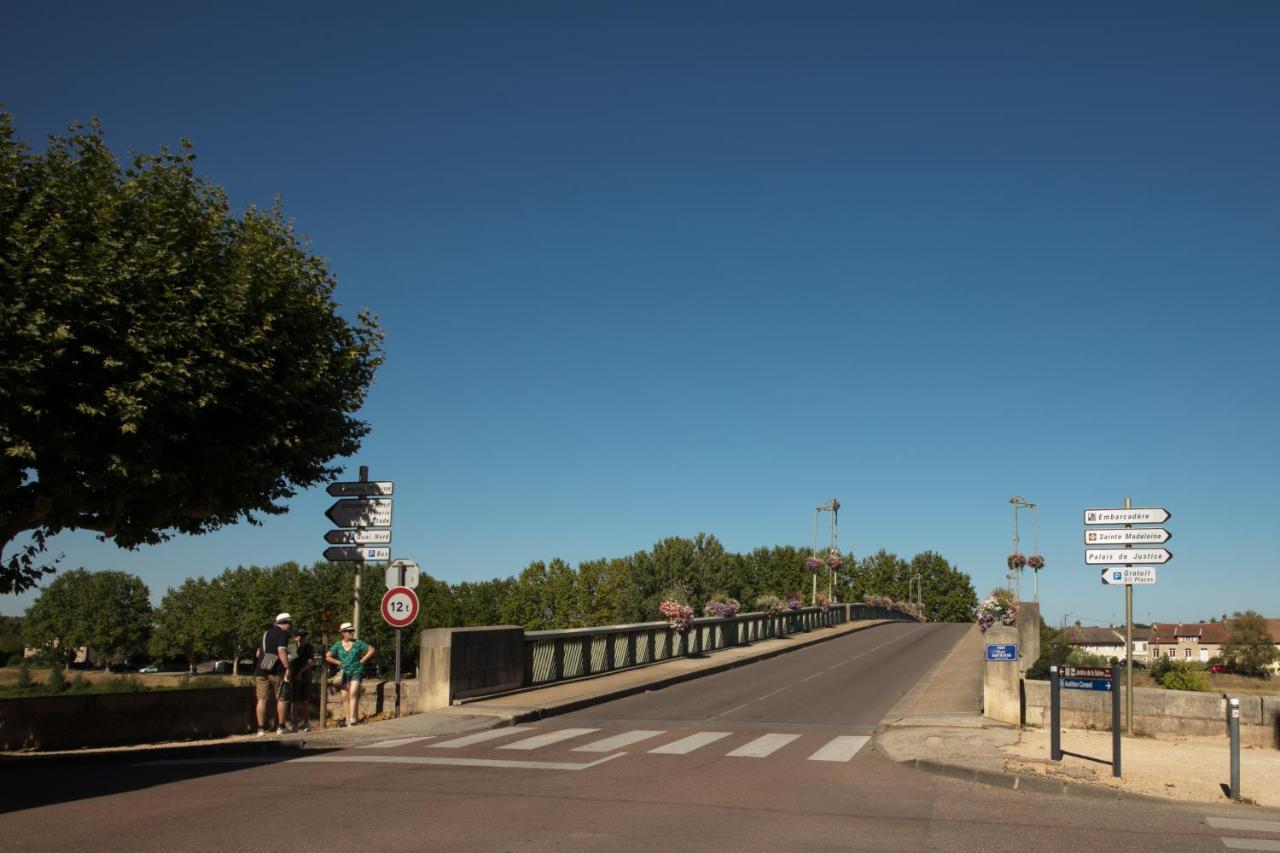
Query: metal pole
{"x": 398, "y": 669}
{"x": 1055, "y": 715}
{"x": 1233, "y": 727}
{"x": 1128, "y": 644}
{"x": 359, "y": 579}
{"x": 1115, "y": 730}
{"x": 324, "y": 680}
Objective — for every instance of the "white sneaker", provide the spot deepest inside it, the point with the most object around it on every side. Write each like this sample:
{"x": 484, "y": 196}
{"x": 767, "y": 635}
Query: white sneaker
{"x": 261, "y": 732}
{"x": 280, "y": 730}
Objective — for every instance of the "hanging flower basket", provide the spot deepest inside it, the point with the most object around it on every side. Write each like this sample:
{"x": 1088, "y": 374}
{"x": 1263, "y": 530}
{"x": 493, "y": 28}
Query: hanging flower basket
{"x": 997, "y": 609}
{"x": 769, "y": 604}
{"x": 679, "y": 616}
{"x": 722, "y": 608}
{"x": 815, "y": 564}
{"x": 794, "y": 603}
{"x": 834, "y": 561}
{"x": 1017, "y": 560}
{"x": 1036, "y": 562}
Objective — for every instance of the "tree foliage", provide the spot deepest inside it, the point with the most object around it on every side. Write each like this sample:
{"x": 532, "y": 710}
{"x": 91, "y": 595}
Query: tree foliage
{"x": 1250, "y": 644}
{"x": 165, "y": 365}
{"x": 109, "y": 612}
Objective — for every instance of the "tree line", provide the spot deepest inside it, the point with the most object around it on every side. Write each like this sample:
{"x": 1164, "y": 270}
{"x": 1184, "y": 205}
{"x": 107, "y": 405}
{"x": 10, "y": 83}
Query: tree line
{"x": 224, "y": 617}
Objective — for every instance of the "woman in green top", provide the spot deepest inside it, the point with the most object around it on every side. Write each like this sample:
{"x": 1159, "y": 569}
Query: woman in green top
{"x": 350, "y": 655}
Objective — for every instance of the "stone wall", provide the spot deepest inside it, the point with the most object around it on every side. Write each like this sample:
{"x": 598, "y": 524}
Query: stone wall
{"x": 1160, "y": 712}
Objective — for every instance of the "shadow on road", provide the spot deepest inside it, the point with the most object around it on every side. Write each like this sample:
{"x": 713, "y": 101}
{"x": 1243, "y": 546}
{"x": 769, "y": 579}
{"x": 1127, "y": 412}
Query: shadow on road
{"x": 33, "y": 781}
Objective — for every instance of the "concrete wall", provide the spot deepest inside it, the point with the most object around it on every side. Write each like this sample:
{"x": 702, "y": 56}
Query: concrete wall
{"x": 1000, "y": 679}
{"x": 1028, "y": 626}
{"x": 1157, "y": 711}
{"x": 459, "y": 663}
{"x": 113, "y": 719}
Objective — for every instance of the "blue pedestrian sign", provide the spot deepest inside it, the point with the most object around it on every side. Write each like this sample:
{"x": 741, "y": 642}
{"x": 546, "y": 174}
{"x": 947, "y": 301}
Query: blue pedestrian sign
{"x": 1002, "y": 651}
{"x": 1087, "y": 684}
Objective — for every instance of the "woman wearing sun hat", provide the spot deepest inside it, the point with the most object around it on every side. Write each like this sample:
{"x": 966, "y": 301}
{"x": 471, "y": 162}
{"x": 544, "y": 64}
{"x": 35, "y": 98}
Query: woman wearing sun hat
{"x": 350, "y": 655}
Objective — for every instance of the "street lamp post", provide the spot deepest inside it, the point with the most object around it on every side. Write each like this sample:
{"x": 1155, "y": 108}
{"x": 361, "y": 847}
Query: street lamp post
{"x": 1018, "y": 502}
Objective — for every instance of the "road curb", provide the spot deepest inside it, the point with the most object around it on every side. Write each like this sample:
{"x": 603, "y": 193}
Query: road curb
{"x": 1034, "y": 784}
{"x": 532, "y": 714}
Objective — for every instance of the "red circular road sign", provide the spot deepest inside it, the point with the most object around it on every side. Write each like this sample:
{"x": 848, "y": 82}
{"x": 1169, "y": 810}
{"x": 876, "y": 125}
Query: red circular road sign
{"x": 400, "y": 606}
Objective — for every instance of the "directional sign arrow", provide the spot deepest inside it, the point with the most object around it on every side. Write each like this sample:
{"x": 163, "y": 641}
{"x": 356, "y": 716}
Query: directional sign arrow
{"x": 1130, "y": 536}
{"x": 1102, "y": 556}
{"x": 353, "y": 512}
{"x": 1133, "y": 515}
{"x": 1120, "y": 576}
{"x": 357, "y": 555}
{"x": 361, "y": 490}
{"x": 358, "y": 537}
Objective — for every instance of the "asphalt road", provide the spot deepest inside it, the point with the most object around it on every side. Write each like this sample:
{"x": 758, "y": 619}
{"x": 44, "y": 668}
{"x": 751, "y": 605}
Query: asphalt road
{"x": 773, "y": 755}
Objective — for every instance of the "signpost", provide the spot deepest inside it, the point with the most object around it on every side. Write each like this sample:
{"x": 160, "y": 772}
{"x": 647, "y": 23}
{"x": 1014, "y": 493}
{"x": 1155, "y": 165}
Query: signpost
{"x": 361, "y": 488}
{"x": 1127, "y": 536}
{"x": 364, "y": 504}
{"x": 1002, "y": 651}
{"x": 399, "y": 609}
{"x": 1128, "y": 556}
{"x": 1128, "y": 515}
{"x": 356, "y": 555}
{"x": 1144, "y": 575}
{"x": 358, "y": 512}
{"x": 358, "y": 537}
{"x": 1092, "y": 678}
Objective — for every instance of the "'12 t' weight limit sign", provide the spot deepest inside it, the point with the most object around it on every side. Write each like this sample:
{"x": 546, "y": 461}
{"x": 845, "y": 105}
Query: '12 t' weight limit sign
{"x": 400, "y": 607}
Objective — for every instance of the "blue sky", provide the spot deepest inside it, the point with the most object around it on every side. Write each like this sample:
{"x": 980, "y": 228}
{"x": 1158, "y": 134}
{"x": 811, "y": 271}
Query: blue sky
{"x": 699, "y": 267}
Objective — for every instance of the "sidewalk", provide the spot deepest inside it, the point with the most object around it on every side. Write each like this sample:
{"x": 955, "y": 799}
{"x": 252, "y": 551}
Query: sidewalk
{"x": 938, "y": 727}
{"x": 488, "y": 713}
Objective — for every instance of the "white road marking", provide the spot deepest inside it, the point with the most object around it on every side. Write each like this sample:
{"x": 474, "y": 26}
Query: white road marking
{"x": 810, "y": 678}
{"x": 688, "y": 744}
{"x": 767, "y": 695}
{"x": 730, "y": 711}
{"x": 841, "y": 748}
{"x": 609, "y": 744}
{"x": 453, "y": 762}
{"x": 538, "y": 741}
{"x": 1243, "y": 825}
{"x": 763, "y": 746}
{"x": 388, "y": 744}
{"x": 1251, "y": 844}
{"x": 478, "y": 737}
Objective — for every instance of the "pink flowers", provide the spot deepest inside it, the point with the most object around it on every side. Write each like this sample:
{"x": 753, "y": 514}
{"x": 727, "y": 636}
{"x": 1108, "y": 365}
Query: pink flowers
{"x": 679, "y": 616}
{"x": 815, "y": 564}
{"x": 1017, "y": 560}
{"x": 834, "y": 561}
{"x": 1036, "y": 562}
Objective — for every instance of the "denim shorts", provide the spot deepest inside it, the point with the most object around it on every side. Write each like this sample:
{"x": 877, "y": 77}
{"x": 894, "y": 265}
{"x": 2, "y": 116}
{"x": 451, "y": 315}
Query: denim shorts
{"x": 352, "y": 678}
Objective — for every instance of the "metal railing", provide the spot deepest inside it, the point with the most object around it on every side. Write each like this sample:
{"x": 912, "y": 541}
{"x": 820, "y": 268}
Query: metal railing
{"x": 552, "y": 656}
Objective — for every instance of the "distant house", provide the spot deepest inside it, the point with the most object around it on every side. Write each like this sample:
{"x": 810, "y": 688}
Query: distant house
{"x": 1107, "y": 642}
{"x": 1198, "y": 641}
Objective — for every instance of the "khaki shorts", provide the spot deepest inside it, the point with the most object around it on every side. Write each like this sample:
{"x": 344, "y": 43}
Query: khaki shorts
{"x": 267, "y": 686}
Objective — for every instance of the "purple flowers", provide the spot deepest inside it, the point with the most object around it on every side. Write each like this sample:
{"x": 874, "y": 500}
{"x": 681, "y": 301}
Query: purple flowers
{"x": 1036, "y": 562}
{"x": 1017, "y": 560}
{"x": 834, "y": 561}
{"x": 721, "y": 607}
{"x": 815, "y": 564}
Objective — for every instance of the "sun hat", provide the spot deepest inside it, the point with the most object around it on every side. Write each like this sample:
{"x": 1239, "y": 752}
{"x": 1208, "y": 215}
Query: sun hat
{"x": 283, "y": 617}
{"x": 346, "y": 626}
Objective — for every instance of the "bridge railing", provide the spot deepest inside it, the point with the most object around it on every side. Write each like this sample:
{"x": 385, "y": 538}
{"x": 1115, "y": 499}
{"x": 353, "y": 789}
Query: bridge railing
{"x": 552, "y": 656}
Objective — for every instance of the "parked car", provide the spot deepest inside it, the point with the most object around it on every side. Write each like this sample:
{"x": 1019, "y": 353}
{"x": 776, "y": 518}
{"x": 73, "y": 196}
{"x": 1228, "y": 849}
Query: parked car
{"x": 150, "y": 668}
{"x": 1136, "y": 665}
{"x": 1221, "y": 667}
{"x": 221, "y": 667}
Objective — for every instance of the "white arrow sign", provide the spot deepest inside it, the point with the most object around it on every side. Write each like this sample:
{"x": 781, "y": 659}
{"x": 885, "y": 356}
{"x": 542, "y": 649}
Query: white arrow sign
{"x": 1101, "y": 556}
{"x": 1133, "y": 515}
{"x": 358, "y": 537}
{"x": 1132, "y": 536}
{"x": 1120, "y": 577}
{"x": 356, "y": 489}
{"x": 354, "y": 512}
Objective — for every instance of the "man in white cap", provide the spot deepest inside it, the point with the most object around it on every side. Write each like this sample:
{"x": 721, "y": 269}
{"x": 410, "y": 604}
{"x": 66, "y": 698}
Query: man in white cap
{"x": 271, "y": 673}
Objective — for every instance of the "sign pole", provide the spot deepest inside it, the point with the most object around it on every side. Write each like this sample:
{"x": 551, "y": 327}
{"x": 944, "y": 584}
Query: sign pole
{"x": 1055, "y": 715}
{"x": 1128, "y": 655}
{"x": 1115, "y": 731}
{"x": 359, "y": 579}
{"x": 400, "y": 572}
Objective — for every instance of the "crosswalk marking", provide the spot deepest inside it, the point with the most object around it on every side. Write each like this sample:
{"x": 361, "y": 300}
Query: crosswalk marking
{"x": 478, "y": 737}
{"x": 609, "y": 744}
{"x": 763, "y": 746}
{"x": 538, "y": 741}
{"x": 1251, "y": 843}
{"x": 1243, "y": 825}
{"x": 688, "y": 744}
{"x": 389, "y": 744}
{"x": 841, "y": 748}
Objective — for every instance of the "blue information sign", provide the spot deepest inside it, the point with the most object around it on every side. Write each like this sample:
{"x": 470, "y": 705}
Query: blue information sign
{"x": 1087, "y": 683}
{"x": 1002, "y": 651}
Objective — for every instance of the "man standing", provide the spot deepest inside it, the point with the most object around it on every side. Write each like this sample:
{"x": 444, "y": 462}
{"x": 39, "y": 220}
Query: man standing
{"x": 272, "y": 672}
{"x": 300, "y": 671}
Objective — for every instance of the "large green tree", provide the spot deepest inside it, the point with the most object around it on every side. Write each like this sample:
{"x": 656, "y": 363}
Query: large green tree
{"x": 1250, "y": 644}
{"x": 184, "y": 624}
{"x": 947, "y": 592}
{"x": 165, "y": 365}
{"x": 109, "y": 612}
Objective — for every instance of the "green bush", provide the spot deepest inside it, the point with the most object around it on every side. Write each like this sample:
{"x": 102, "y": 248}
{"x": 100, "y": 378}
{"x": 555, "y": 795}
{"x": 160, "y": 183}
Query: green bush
{"x": 80, "y": 684}
{"x": 57, "y": 680}
{"x": 24, "y": 681}
{"x": 1181, "y": 675}
{"x": 1160, "y": 668}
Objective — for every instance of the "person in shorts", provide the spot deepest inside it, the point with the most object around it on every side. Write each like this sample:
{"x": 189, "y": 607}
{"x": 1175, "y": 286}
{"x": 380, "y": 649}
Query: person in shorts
{"x": 350, "y": 655}
{"x": 271, "y": 672}
{"x": 300, "y": 666}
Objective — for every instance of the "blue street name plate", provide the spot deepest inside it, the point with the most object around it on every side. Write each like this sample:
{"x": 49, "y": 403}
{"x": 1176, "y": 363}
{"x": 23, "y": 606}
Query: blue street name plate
{"x": 1002, "y": 651}
{"x": 1087, "y": 684}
